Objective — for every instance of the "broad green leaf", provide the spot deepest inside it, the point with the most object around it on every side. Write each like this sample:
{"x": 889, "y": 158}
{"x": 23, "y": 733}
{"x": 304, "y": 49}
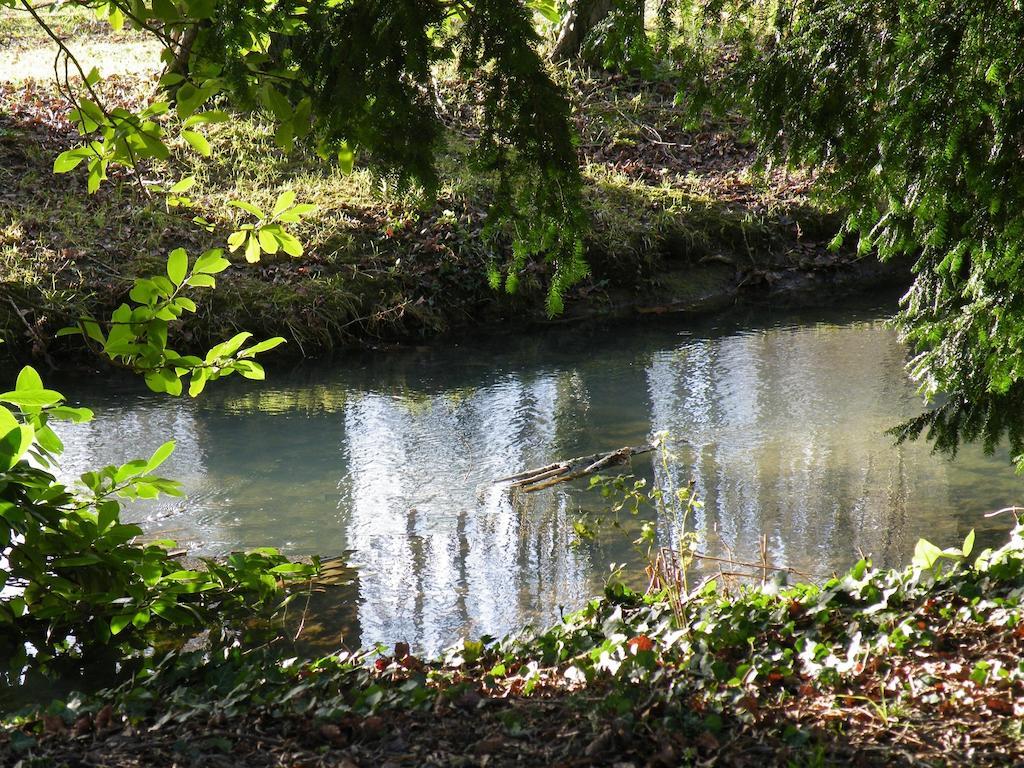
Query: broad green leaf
{"x": 183, "y": 186}
{"x": 212, "y": 262}
{"x": 210, "y": 117}
{"x": 968, "y": 545}
{"x": 284, "y": 201}
{"x": 15, "y": 439}
{"x": 236, "y": 240}
{"x": 276, "y": 102}
{"x": 252, "y": 248}
{"x": 171, "y": 79}
{"x": 116, "y": 19}
{"x": 198, "y": 383}
{"x": 201, "y": 281}
{"x": 264, "y": 346}
{"x": 296, "y": 212}
{"x": 160, "y": 455}
{"x": 177, "y": 266}
{"x": 926, "y": 554}
{"x": 77, "y": 561}
{"x": 74, "y": 415}
{"x": 267, "y": 241}
{"x": 118, "y": 623}
{"x": 30, "y": 398}
{"x": 28, "y": 379}
{"x": 251, "y": 370}
{"x": 248, "y": 208}
{"x": 153, "y": 144}
{"x": 290, "y": 244}
{"x": 165, "y": 10}
{"x": 346, "y": 159}
{"x": 198, "y": 142}
{"x": 68, "y": 161}
{"x": 229, "y": 347}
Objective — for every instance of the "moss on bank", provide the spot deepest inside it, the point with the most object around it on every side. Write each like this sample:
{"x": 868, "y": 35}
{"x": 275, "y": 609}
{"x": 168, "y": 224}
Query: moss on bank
{"x": 678, "y": 218}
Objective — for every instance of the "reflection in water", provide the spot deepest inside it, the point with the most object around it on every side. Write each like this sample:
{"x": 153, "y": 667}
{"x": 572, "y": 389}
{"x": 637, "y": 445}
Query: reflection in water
{"x": 391, "y": 457}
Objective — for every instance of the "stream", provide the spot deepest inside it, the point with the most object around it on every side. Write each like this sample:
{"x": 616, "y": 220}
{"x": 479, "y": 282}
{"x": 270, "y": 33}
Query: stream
{"x": 386, "y": 460}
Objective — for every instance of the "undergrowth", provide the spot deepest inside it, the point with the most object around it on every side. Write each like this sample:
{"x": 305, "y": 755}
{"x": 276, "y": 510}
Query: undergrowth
{"x": 876, "y": 667}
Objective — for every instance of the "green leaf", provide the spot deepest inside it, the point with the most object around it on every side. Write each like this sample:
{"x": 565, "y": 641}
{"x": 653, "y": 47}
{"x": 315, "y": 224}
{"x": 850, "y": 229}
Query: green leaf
{"x": 248, "y": 208}
{"x": 198, "y": 383}
{"x": 290, "y": 244}
{"x": 290, "y": 568}
{"x": 118, "y": 623}
{"x": 153, "y": 145}
{"x": 91, "y": 110}
{"x": 296, "y": 212}
{"x": 183, "y": 186}
{"x": 250, "y": 370}
{"x": 31, "y": 398}
{"x": 346, "y": 159}
{"x": 926, "y": 554}
{"x": 284, "y": 137}
{"x": 97, "y": 173}
{"x": 116, "y": 19}
{"x": 211, "y": 263}
{"x": 160, "y": 455}
{"x": 198, "y": 142}
{"x": 68, "y": 161}
{"x": 177, "y": 266}
{"x": 201, "y": 281}
{"x": 252, "y": 248}
{"x": 28, "y": 379}
{"x": 155, "y": 381}
{"x": 267, "y": 241}
{"x": 546, "y": 8}
{"x": 170, "y": 80}
{"x": 236, "y": 240}
{"x": 276, "y": 102}
{"x": 15, "y": 439}
{"x": 77, "y": 561}
{"x": 209, "y": 117}
{"x": 74, "y": 415}
{"x": 189, "y": 98}
{"x": 263, "y": 346}
{"x": 284, "y": 201}
{"x": 229, "y": 347}
{"x": 968, "y": 545}
{"x": 165, "y": 10}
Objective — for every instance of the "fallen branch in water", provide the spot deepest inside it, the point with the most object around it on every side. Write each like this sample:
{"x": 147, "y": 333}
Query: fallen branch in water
{"x": 571, "y": 469}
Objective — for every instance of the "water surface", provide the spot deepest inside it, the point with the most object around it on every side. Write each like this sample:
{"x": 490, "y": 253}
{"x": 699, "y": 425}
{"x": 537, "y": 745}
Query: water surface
{"x": 389, "y": 458}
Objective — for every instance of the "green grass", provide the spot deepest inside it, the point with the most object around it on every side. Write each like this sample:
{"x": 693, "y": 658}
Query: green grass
{"x": 380, "y": 261}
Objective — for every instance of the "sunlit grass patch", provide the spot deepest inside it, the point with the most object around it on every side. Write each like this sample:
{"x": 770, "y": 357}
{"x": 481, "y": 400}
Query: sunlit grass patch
{"x": 27, "y": 53}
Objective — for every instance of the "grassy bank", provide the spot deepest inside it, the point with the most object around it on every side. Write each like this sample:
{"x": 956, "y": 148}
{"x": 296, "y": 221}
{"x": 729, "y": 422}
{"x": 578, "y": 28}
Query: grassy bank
{"x": 920, "y": 666}
{"x": 679, "y": 218}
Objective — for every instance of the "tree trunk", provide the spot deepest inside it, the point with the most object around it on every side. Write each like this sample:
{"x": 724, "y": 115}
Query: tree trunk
{"x": 582, "y": 17}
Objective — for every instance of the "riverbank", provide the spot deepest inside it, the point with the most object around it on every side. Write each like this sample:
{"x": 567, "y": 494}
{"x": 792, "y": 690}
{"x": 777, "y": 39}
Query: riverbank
{"x": 918, "y": 666}
{"x": 680, "y": 222}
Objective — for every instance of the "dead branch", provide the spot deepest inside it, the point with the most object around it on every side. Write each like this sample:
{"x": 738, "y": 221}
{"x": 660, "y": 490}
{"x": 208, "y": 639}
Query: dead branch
{"x": 571, "y": 469}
